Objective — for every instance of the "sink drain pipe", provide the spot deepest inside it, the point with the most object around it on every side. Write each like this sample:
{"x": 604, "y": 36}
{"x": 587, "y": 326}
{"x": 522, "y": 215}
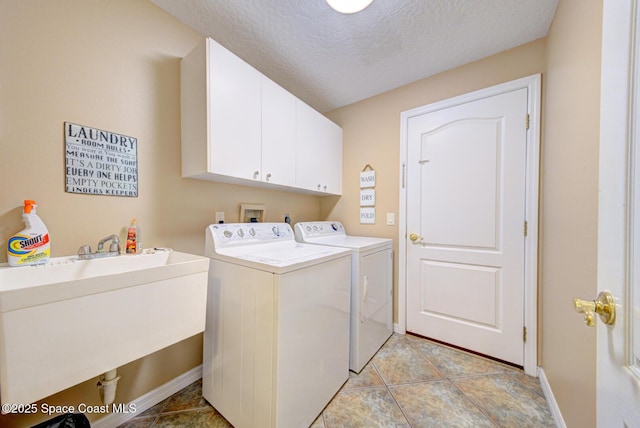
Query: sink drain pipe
{"x": 107, "y": 386}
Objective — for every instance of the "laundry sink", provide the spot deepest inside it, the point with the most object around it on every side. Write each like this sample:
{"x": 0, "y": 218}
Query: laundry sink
{"x": 71, "y": 320}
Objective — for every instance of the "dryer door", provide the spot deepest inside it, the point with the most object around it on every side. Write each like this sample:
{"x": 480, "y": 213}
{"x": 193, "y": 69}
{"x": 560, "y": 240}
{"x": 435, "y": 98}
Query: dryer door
{"x": 375, "y": 323}
{"x": 375, "y": 283}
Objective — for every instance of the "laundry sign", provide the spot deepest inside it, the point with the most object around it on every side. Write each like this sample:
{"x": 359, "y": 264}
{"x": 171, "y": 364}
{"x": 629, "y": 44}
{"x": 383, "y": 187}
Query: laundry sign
{"x": 100, "y": 162}
{"x": 367, "y": 195}
{"x": 367, "y": 178}
{"x": 367, "y": 215}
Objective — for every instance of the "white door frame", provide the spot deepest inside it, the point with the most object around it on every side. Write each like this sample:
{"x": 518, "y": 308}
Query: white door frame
{"x": 533, "y": 84}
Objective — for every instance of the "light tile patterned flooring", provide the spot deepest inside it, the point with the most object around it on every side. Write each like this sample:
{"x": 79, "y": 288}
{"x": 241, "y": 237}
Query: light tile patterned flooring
{"x": 410, "y": 382}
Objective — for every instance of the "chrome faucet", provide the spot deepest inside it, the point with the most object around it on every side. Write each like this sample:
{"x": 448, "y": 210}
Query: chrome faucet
{"x": 114, "y": 247}
{"x": 84, "y": 252}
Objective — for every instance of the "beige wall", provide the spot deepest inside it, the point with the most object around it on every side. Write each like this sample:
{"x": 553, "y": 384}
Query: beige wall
{"x": 113, "y": 65}
{"x": 569, "y": 205}
{"x": 371, "y": 134}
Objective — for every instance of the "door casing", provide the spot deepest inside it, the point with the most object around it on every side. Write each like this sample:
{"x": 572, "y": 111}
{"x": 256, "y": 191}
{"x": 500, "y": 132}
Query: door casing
{"x": 533, "y": 84}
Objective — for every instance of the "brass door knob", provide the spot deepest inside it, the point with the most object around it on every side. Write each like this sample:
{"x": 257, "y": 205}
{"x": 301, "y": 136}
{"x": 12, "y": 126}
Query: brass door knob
{"x": 604, "y": 306}
{"x": 415, "y": 237}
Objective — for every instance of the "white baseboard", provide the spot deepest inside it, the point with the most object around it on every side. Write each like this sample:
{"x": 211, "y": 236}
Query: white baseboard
{"x": 551, "y": 400}
{"x": 150, "y": 399}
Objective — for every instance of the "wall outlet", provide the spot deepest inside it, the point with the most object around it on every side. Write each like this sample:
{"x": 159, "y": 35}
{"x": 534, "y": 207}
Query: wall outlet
{"x": 220, "y": 217}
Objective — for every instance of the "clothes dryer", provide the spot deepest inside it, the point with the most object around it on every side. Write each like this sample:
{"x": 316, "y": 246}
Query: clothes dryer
{"x": 371, "y": 285}
{"x": 276, "y": 341}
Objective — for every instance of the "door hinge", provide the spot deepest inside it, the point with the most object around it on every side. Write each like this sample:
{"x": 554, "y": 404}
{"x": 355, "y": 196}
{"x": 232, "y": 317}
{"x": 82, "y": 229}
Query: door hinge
{"x": 524, "y": 334}
{"x": 526, "y": 227}
{"x": 527, "y": 121}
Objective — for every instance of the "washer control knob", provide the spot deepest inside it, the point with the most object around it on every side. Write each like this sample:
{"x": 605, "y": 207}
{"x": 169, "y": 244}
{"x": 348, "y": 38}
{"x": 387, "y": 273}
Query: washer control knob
{"x": 252, "y": 232}
{"x": 227, "y": 233}
{"x": 240, "y": 233}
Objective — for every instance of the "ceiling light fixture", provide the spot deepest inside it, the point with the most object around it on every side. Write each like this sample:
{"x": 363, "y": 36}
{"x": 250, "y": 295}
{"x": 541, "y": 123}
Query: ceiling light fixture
{"x": 349, "y": 6}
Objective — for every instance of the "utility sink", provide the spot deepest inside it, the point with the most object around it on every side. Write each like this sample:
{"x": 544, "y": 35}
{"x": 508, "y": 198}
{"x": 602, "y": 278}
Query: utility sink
{"x": 70, "y": 320}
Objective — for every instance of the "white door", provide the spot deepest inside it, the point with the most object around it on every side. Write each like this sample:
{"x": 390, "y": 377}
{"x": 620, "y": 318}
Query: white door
{"x": 618, "y": 362}
{"x": 466, "y": 199}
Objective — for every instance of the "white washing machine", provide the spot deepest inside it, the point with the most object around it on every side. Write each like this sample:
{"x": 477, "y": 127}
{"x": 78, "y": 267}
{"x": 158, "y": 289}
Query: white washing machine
{"x": 371, "y": 285}
{"x": 276, "y": 341}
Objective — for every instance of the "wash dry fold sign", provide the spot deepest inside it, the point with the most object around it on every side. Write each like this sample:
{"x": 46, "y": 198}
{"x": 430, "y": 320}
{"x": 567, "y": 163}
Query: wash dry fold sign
{"x": 100, "y": 162}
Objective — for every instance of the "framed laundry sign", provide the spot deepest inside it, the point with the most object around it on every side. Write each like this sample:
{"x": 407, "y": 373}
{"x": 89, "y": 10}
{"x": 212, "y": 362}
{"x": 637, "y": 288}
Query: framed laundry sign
{"x": 99, "y": 162}
{"x": 367, "y": 195}
{"x": 367, "y": 215}
{"x": 367, "y": 177}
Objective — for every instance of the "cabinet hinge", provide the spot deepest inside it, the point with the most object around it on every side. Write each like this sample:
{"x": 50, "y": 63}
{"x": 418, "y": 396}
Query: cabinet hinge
{"x": 527, "y": 121}
{"x": 526, "y": 227}
{"x": 524, "y": 334}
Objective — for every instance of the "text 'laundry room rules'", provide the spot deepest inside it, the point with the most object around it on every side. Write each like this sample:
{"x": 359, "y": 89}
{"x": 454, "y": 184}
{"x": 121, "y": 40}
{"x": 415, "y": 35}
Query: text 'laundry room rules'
{"x": 100, "y": 162}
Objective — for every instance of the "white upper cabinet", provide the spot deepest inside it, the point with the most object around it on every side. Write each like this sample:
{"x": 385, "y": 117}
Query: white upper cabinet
{"x": 278, "y": 134}
{"x": 319, "y": 152}
{"x": 234, "y": 114}
{"x": 240, "y": 127}
{"x": 221, "y": 115}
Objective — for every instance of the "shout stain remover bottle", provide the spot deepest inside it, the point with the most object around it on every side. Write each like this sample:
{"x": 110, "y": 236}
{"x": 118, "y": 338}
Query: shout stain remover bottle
{"x": 30, "y": 246}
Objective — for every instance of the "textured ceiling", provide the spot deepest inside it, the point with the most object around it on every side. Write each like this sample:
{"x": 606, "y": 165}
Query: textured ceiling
{"x": 330, "y": 60}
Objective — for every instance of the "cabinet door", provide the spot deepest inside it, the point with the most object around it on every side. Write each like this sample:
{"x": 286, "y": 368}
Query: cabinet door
{"x": 319, "y": 152}
{"x": 332, "y": 148}
{"x": 278, "y": 134}
{"x": 234, "y": 115}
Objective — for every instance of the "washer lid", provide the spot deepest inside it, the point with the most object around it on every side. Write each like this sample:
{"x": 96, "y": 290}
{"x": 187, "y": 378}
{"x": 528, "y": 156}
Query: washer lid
{"x": 280, "y": 257}
{"x": 357, "y": 243}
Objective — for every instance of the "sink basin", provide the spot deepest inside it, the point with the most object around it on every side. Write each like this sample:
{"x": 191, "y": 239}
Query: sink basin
{"x": 70, "y": 320}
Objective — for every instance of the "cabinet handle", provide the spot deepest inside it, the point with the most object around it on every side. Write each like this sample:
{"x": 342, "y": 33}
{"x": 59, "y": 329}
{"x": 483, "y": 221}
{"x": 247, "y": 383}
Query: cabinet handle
{"x": 325, "y": 188}
{"x": 256, "y": 174}
{"x": 319, "y": 185}
{"x": 268, "y": 176}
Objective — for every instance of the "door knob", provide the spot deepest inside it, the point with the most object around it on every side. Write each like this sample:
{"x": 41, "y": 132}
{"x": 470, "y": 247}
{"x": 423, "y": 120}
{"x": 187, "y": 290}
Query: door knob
{"x": 415, "y": 237}
{"x": 604, "y": 306}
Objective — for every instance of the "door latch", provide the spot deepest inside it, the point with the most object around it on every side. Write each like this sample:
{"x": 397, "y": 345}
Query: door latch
{"x": 604, "y": 306}
{"x": 415, "y": 237}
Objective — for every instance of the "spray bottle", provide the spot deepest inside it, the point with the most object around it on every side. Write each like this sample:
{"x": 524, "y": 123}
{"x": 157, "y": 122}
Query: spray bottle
{"x": 31, "y": 245}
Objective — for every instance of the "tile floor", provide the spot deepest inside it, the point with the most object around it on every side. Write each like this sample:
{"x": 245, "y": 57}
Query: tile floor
{"x": 411, "y": 382}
